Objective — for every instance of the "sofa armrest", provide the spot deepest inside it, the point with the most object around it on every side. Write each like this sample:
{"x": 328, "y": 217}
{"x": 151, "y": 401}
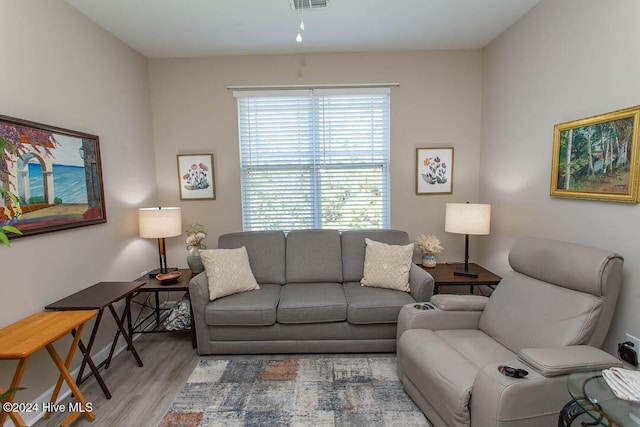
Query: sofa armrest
{"x": 435, "y": 319}
{"x": 420, "y": 284}
{"x": 199, "y": 295}
{"x": 551, "y": 362}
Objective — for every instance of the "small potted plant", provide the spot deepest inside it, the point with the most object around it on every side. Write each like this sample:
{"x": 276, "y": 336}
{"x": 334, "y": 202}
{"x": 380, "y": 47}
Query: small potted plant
{"x": 430, "y": 246}
{"x": 195, "y": 235}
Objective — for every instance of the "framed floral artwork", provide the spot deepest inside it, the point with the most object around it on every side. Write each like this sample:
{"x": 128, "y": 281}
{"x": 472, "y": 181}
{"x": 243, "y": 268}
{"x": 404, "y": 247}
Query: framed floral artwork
{"x": 196, "y": 177}
{"x": 597, "y": 158}
{"x": 434, "y": 170}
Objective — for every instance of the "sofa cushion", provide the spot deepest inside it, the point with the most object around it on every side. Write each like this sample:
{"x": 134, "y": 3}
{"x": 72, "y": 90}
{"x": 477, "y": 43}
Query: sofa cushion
{"x": 367, "y": 305}
{"x": 387, "y": 266}
{"x": 312, "y": 303}
{"x": 353, "y": 249}
{"x": 253, "y": 308}
{"x": 266, "y": 251}
{"x": 228, "y": 271}
{"x": 313, "y": 256}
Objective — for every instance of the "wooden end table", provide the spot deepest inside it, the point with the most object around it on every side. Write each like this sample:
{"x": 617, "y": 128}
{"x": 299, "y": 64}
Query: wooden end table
{"x": 23, "y": 338}
{"x": 155, "y": 286}
{"x": 100, "y": 296}
{"x": 443, "y": 276}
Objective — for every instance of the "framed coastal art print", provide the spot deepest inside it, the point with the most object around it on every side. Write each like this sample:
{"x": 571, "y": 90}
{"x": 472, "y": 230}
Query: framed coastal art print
{"x": 596, "y": 158}
{"x": 50, "y": 179}
{"x": 196, "y": 177}
{"x": 434, "y": 170}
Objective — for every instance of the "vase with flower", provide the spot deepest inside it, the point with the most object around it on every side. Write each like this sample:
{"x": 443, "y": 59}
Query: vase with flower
{"x": 430, "y": 246}
{"x": 195, "y": 235}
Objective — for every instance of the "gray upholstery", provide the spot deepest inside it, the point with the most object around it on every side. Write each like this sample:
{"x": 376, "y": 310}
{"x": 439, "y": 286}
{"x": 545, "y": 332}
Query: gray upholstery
{"x": 368, "y": 305}
{"x": 314, "y": 256}
{"x": 257, "y": 307}
{"x": 540, "y": 317}
{"x": 312, "y": 303}
{"x": 313, "y": 310}
{"x": 266, "y": 251}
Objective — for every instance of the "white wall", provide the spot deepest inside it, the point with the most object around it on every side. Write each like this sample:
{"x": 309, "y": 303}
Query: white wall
{"x": 437, "y": 104}
{"x": 61, "y": 69}
{"x": 564, "y": 60}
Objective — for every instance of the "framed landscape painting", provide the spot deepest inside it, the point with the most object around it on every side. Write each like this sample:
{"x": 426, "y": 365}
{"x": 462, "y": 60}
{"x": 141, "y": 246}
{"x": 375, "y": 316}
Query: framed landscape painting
{"x": 196, "y": 177}
{"x": 597, "y": 158}
{"x": 50, "y": 179}
{"x": 434, "y": 170}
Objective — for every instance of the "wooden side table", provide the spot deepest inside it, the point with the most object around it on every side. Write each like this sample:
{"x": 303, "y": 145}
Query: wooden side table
{"x": 23, "y": 338}
{"x": 154, "y": 286}
{"x": 443, "y": 276}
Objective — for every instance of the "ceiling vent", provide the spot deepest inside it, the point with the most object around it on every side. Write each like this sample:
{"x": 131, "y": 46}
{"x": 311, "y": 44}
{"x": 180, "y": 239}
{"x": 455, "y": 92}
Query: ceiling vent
{"x": 308, "y": 4}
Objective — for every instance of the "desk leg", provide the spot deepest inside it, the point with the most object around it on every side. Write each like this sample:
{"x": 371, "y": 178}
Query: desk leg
{"x": 66, "y": 376}
{"x": 157, "y": 307}
{"x": 128, "y": 314}
{"x": 15, "y": 382}
{"x": 92, "y": 339}
{"x": 87, "y": 357}
{"x": 121, "y": 329}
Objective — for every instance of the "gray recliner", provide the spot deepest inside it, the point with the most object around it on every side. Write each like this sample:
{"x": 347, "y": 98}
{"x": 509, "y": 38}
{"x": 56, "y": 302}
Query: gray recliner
{"x": 549, "y": 316}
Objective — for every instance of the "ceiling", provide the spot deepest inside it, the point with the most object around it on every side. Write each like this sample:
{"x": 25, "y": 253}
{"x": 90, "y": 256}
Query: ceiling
{"x": 187, "y": 28}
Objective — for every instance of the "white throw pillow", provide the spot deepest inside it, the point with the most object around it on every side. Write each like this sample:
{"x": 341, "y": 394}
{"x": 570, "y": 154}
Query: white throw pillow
{"x": 387, "y": 266}
{"x": 228, "y": 271}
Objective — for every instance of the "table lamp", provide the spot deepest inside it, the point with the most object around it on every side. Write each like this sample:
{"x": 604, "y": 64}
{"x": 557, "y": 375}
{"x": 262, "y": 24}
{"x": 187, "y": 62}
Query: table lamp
{"x": 159, "y": 223}
{"x": 467, "y": 218}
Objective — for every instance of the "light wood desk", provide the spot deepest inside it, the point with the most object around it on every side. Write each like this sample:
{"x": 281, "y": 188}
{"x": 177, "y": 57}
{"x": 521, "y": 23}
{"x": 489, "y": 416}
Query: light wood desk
{"x": 23, "y": 338}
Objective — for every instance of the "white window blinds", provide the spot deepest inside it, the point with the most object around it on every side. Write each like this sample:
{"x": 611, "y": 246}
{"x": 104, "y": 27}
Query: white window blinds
{"x": 316, "y": 159}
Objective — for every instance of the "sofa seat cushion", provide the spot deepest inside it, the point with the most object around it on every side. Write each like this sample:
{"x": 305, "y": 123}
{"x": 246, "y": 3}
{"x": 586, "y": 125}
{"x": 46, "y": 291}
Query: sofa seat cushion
{"x": 252, "y": 308}
{"x": 443, "y": 365}
{"x": 312, "y": 303}
{"x": 367, "y": 305}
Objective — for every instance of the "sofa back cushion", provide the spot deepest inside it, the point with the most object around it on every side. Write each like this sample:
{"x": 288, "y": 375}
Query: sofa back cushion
{"x": 558, "y": 294}
{"x": 266, "y": 250}
{"x": 354, "y": 248}
{"x": 313, "y": 256}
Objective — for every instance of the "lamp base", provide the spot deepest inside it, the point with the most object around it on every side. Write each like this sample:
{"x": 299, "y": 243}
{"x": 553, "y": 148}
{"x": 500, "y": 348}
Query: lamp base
{"x": 465, "y": 273}
{"x": 154, "y": 273}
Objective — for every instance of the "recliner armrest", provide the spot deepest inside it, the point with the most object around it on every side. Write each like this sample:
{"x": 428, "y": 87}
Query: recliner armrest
{"x": 552, "y": 362}
{"x": 459, "y": 302}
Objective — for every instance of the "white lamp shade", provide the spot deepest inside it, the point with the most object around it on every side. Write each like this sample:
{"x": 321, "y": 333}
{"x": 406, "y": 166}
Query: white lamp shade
{"x": 159, "y": 222}
{"x": 467, "y": 218}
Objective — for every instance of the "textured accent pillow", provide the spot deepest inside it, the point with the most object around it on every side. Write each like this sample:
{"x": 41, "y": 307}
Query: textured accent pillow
{"x": 387, "y": 266}
{"x": 228, "y": 271}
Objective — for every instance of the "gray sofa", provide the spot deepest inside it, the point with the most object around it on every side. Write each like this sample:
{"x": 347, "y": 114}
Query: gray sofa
{"x": 310, "y": 298}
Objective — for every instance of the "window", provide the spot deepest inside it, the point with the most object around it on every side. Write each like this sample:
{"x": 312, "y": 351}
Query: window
{"x": 317, "y": 159}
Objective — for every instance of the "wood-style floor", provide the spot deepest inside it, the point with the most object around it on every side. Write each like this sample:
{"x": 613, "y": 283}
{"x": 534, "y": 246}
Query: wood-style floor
{"x": 141, "y": 395}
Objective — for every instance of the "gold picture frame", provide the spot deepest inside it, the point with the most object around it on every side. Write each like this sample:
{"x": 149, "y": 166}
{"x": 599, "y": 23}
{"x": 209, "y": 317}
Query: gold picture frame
{"x": 603, "y": 160}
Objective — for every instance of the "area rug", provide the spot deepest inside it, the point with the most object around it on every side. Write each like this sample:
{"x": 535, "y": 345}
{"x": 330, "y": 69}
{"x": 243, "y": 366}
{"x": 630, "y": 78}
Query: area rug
{"x": 294, "y": 392}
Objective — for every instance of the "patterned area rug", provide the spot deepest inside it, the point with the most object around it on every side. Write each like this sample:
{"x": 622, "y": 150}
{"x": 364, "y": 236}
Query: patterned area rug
{"x": 296, "y": 392}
